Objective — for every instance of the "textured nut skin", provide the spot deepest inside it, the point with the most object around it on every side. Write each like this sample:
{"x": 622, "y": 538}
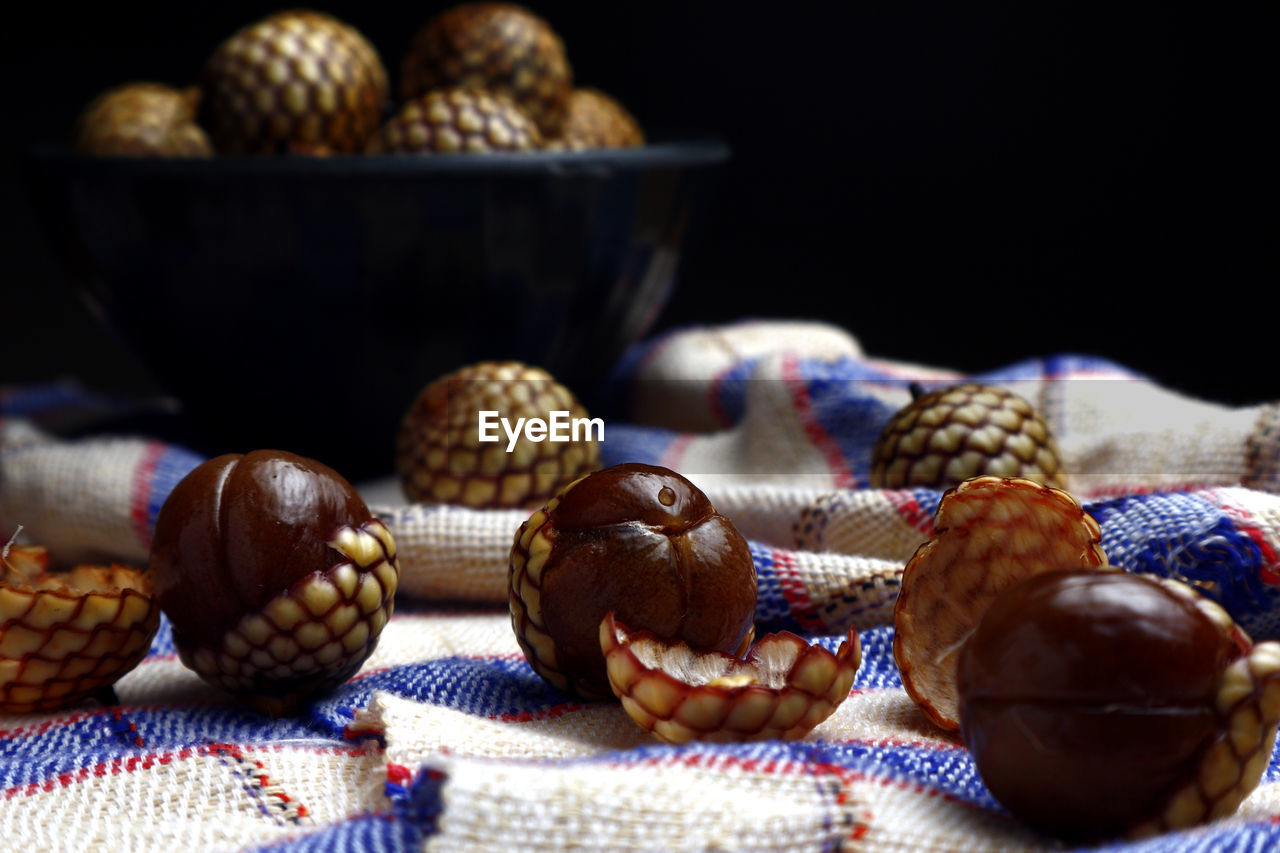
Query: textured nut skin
{"x": 439, "y": 455}
{"x": 1094, "y": 705}
{"x": 989, "y": 533}
{"x": 594, "y": 119}
{"x": 142, "y": 120}
{"x": 67, "y": 635}
{"x": 274, "y": 574}
{"x": 457, "y": 121}
{"x": 294, "y": 82}
{"x": 783, "y": 687}
{"x": 948, "y": 436}
{"x": 501, "y": 47}
{"x": 636, "y": 540}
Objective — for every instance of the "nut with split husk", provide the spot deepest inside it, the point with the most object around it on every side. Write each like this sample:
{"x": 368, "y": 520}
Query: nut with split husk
{"x": 989, "y": 533}
{"x": 1100, "y": 703}
{"x": 500, "y": 47}
{"x": 142, "y": 119}
{"x": 947, "y": 436}
{"x": 296, "y": 81}
{"x": 782, "y": 688}
{"x": 441, "y": 457}
{"x": 68, "y": 635}
{"x": 457, "y": 121}
{"x": 639, "y": 541}
{"x": 276, "y": 577}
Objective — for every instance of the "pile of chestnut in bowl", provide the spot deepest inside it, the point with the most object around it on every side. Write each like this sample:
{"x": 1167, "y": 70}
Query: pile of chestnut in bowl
{"x": 479, "y": 77}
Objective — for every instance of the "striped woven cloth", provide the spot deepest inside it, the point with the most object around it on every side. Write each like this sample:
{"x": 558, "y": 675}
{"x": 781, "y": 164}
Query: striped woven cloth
{"x": 447, "y": 740}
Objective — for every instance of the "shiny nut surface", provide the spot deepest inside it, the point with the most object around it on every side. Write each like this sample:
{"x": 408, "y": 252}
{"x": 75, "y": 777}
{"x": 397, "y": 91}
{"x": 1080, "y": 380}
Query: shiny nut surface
{"x": 947, "y": 436}
{"x": 274, "y": 574}
{"x": 1093, "y": 702}
{"x": 636, "y": 540}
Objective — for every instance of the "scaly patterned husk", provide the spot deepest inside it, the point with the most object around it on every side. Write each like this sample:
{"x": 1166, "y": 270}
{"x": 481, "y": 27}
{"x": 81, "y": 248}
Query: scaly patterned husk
{"x": 596, "y": 120}
{"x": 1248, "y": 705}
{"x": 142, "y": 119}
{"x": 990, "y": 532}
{"x": 313, "y": 636}
{"x": 294, "y": 82}
{"x": 782, "y": 688}
{"x": 65, "y": 636}
{"x": 948, "y": 436}
{"x": 439, "y": 455}
{"x": 457, "y": 121}
{"x": 501, "y": 47}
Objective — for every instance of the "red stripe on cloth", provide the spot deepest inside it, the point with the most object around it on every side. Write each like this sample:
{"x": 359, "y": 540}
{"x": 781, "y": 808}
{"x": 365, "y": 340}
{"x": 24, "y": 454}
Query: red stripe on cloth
{"x": 714, "y": 388}
{"x": 1246, "y": 523}
{"x": 794, "y": 591}
{"x": 140, "y": 491}
{"x": 909, "y": 510}
{"x": 541, "y": 714}
{"x": 841, "y": 475}
{"x": 74, "y": 717}
{"x": 133, "y": 763}
{"x": 675, "y": 452}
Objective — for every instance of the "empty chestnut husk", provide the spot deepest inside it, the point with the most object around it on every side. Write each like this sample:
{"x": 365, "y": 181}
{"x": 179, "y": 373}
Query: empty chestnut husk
{"x": 276, "y": 577}
{"x": 1098, "y": 703}
{"x": 782, "y": 688}
{"x": 989, "y": 533}
{"x": 68, "y": 635}
{"x": 637, "y": 540}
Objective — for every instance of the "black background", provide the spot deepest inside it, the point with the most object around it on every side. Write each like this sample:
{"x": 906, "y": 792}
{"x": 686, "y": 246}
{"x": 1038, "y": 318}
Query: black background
{"x": 955, "y": 186}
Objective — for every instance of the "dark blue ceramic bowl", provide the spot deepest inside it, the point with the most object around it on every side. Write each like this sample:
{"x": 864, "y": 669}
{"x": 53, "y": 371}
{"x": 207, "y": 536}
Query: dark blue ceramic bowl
{"x": 301, "y": 303}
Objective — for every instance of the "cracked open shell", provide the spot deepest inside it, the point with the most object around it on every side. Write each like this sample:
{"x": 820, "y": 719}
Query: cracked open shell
{"x": 65, "y": 635}
{"x": 782, "y": 688}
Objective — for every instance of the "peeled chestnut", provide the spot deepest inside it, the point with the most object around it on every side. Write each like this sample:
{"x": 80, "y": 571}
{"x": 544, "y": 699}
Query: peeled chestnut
{"x": 1099, "y": 703}
{"x": 276, "y": 577}
{"x": 642, "y": 542}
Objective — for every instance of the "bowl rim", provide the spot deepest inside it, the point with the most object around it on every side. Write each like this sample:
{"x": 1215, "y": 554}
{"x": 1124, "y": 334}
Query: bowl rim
{"x": 703, "y": 151}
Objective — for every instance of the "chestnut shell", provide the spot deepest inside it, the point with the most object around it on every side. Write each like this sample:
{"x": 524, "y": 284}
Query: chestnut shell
{"x": 1087, "y": 697}
{"x": 238, "y": 530}
{"x": 640, "y": 541}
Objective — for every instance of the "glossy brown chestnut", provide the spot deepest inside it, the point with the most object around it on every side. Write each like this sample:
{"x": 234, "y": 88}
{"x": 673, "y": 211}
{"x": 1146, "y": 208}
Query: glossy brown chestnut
{"x": 276, "y": 577}
{"x": 642, "y": 542}
{"x": 1097, "y": 703}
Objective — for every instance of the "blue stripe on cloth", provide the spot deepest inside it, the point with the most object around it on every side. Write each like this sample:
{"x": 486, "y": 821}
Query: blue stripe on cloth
{"x": 773, "y": 611}
{"x": 878, "y": 670}
{"x": 486, "y": 687}
{"x": 1185, "y": 536}
{"x": 162, "y": 643}
{"x": 846, "y": 410}
{"x": 948, "y": 770}
{"x": 171, "y": 466}
{"x": 365, "y": 833}
{"x": 99, "y": 737}
{"x": 626, "y": 443}
{"x": 1061, "y": 366}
